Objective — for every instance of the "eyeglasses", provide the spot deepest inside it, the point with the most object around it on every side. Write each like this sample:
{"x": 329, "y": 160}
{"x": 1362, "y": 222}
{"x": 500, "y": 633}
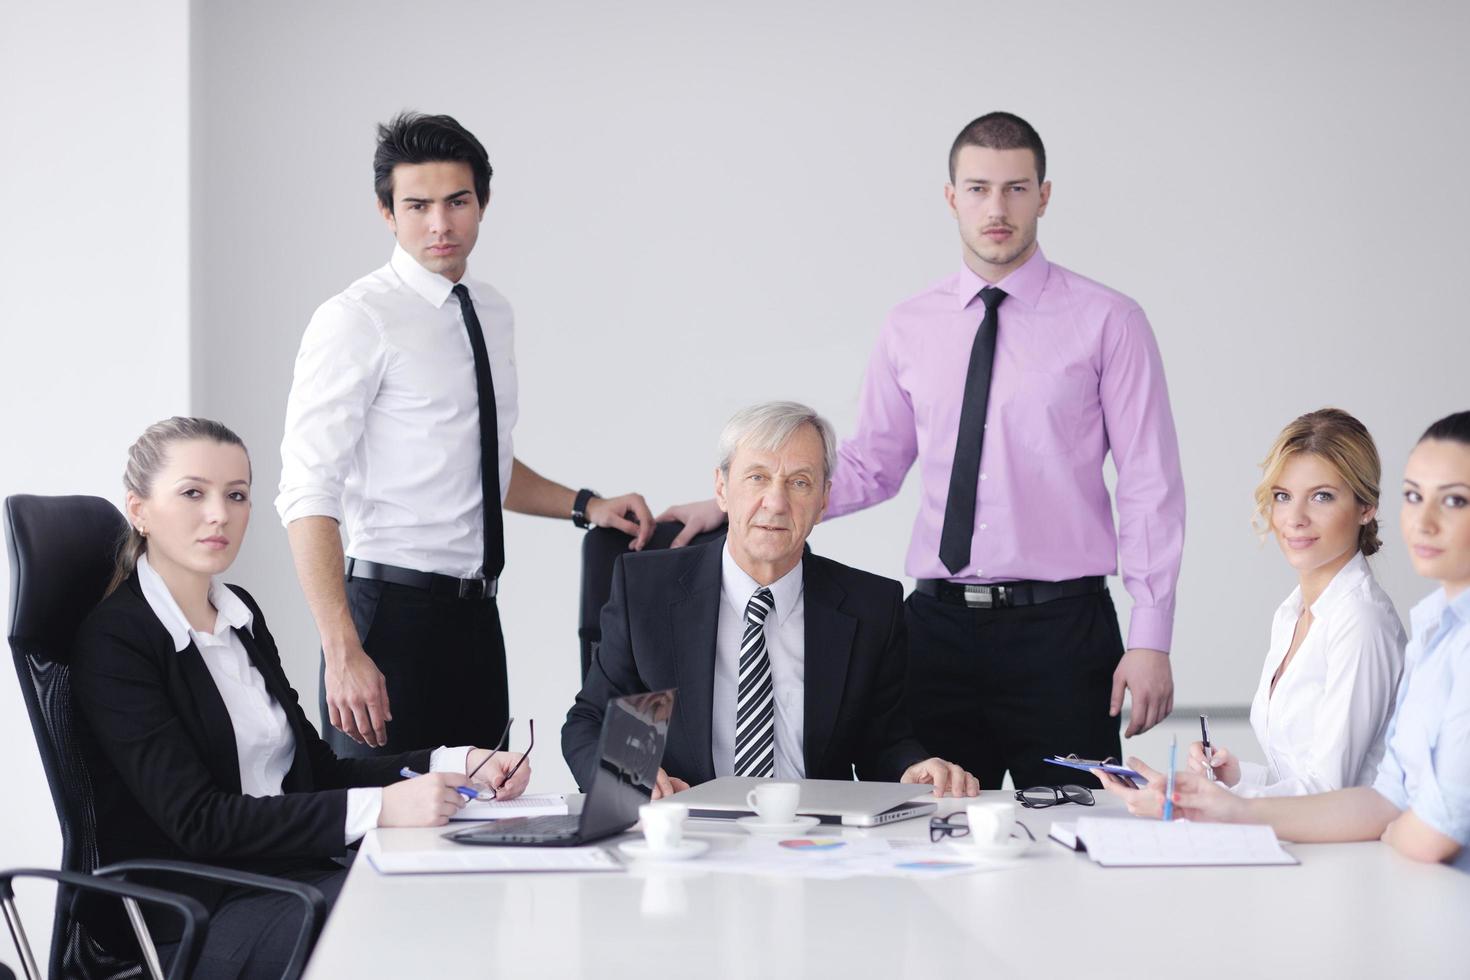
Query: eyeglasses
{"x": 498, "y": 743}
{"x": 958, "y": 825}
{"x": 1041, "y": 797}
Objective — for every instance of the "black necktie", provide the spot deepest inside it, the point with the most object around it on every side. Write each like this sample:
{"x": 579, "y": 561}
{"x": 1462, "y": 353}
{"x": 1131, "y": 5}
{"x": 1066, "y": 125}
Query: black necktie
{"x": 959, "y": 508}
{"x": 489, "y": 439}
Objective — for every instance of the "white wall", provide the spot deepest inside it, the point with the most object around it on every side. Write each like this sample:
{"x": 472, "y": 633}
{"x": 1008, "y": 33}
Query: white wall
{"x": 94, "y": 296}
{"x": 696, "y": 208}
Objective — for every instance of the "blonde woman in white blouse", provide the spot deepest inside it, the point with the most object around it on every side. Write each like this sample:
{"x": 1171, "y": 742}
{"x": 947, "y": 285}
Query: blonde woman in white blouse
{"x": 1337, "y": 646}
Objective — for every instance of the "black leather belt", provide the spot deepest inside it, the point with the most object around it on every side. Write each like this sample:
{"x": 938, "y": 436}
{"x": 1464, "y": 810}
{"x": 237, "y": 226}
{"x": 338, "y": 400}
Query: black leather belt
{"x": 459, "y": 588}
{"x": 1004, "y": 594}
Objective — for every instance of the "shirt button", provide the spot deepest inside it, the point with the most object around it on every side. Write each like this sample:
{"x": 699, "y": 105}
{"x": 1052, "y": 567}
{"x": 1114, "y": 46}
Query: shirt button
{"x": 979, "y": 571}
{"x": 984, "y": 526}
{"x": 982, "y": 476}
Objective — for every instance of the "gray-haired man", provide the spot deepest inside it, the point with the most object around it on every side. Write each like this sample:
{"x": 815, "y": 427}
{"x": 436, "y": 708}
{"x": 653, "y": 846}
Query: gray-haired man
{"x": 788, "y": 664}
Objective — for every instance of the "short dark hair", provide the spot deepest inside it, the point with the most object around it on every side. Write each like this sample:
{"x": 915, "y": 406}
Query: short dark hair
{"x": 1000, "y": 131}
{"x": 412, "y": 137}
{"x": 1451, "y": 428}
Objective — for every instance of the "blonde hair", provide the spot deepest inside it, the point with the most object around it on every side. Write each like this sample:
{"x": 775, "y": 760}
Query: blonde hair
{"x": 145, "y": 458}
{"x": 1344, "y": 444}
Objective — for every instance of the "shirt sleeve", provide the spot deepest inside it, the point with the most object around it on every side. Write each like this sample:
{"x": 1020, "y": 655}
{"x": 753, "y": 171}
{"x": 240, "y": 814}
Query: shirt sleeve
{"x": 1364, "y": 656}
{"x": 338, "y": 370}
{"x": 1441, "y": 797}
{"x": 1150, "y": 488}
{"x": 872, "y": 464}
{"x": 449, "y": 759}
{"x": 365, "y": 803}
{"x": 364, "y": 806}
{"x": 1390, "y": 781}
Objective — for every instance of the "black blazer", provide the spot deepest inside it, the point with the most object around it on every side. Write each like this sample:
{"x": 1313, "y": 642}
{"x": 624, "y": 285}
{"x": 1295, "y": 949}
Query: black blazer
{"x": 659, "y": 629}
{"x": 165, "y": 770}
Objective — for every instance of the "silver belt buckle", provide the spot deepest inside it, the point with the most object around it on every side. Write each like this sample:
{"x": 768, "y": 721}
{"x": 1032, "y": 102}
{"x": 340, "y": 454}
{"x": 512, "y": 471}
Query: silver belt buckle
{"x": 478, "y": 588}
{"x": 987, "y": 596}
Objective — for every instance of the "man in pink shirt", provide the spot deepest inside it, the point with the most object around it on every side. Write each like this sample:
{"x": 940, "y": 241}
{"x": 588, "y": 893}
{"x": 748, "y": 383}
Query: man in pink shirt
{"x": 1009, "y": 382}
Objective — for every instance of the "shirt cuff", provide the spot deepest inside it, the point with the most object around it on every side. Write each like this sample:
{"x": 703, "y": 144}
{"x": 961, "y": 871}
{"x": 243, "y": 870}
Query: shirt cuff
{"x": 1449, "y": 816}
{"x": 294, "y": 506}
{"x": 449, "y": 759}
{"x": 364, "y": 806}
{"x": 1252, "y": 778}
{"x": 1390, "y": 786}
{"x": 1150, "y": 628}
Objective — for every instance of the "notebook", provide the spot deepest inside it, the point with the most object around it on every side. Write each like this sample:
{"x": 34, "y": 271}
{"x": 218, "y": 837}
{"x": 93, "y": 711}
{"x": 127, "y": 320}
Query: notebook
{"x": 1131, "y": 843}
{"x": 542, "y": 805}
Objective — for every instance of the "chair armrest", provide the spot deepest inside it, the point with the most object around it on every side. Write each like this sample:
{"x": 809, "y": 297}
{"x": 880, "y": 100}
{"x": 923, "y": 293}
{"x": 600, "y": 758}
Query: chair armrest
{"x": 195, "y": 916}
{"x": 310, "y": 896}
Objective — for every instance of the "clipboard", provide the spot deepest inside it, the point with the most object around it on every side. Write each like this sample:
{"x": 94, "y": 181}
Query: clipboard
{"x": 1086, "y": 765}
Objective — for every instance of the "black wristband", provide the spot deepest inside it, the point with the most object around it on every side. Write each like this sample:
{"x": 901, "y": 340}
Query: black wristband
{"x": 579, "y": 509}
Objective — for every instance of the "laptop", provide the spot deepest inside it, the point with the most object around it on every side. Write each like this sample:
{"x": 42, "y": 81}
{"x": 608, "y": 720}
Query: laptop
{"x": 635, "y": 730}
{"x": 844, "y": 801}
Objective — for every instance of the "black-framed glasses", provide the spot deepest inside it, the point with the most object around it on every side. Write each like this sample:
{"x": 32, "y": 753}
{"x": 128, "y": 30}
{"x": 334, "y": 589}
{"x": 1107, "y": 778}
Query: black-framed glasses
{"x": 957, "y": 825}
{"x": 498, "y": 743}
{"x": 1041, "y": 797}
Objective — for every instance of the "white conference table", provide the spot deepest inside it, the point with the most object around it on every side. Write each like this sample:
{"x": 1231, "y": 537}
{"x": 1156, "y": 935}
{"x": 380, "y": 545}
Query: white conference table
{"x": 1347, "y": 910}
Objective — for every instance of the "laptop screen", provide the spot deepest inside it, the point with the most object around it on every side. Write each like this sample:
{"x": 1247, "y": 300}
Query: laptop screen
{"x": 634, "y": 732}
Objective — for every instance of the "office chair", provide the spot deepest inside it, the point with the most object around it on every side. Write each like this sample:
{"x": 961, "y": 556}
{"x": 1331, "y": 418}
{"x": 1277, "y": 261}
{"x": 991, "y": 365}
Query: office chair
{"x": 601, "y": 549}
{"x": 195, "y": 918}
{"x": 61, "y": 558}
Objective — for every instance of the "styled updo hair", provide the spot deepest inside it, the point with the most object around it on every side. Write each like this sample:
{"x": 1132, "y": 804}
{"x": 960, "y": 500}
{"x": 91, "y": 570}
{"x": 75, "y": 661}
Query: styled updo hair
{"x": 1344, "y": 443}
{"x": 145, "y": 458}
{"x": 1451, "y": 428}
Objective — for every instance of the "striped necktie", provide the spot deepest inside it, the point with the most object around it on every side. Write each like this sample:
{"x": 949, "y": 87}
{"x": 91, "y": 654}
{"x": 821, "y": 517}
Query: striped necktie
{"x": 755, "y": 705}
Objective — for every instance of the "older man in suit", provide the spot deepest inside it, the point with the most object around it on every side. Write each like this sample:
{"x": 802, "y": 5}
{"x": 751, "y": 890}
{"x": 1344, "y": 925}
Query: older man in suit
{"x": 788, "y": 665}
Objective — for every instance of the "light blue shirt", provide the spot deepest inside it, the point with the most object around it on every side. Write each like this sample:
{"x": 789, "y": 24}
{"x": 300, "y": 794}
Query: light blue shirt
{"x": 1426, "y": 765}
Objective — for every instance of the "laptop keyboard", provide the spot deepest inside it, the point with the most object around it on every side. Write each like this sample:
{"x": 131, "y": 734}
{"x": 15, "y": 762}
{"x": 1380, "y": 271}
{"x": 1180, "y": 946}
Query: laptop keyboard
{"x": 525, "y": 829}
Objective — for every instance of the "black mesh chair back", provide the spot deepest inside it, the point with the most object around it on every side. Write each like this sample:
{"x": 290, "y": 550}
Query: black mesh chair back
{"x": 600, "y": 551}
{"x": 62, "y": 551}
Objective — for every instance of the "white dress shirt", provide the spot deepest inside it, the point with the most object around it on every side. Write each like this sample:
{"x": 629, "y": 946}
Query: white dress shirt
{"x": 383, "y": 423}
{"x": 263, "y": 739}
{"x": 1323, "y": 727}
{"x": 785, "y": 645}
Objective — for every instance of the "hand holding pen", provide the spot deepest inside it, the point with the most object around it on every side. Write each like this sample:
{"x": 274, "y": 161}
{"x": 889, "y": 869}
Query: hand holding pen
{"x": 1221, "y": 762}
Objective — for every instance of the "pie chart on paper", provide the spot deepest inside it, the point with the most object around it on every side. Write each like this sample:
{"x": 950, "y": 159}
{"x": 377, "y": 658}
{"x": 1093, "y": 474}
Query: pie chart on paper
{"x": 813, "y": 844}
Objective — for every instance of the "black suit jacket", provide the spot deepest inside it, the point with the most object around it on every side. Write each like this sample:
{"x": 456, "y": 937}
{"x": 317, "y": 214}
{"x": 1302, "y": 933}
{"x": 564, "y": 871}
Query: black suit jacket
{"x": 165, "y": 770}
{"x": 659, "y": 629}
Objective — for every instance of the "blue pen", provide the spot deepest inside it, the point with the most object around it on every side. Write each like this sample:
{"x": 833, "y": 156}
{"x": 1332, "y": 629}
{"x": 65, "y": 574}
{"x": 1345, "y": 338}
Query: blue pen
{"x": 1169, "y": 791}
{"x": 468, "y": 792}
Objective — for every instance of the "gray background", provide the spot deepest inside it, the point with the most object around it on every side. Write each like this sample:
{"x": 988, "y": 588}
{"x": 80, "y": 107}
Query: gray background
{"x": 696, "y": 207}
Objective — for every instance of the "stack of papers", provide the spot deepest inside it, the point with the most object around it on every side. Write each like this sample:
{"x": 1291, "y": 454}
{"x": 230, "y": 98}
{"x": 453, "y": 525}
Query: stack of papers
{"x": 1130, "y": 843}
{"x": 542, "y": 805}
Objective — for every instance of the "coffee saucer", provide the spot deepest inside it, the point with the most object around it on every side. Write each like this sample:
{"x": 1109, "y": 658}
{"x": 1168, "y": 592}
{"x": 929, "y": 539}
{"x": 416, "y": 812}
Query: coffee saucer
{"x": 766, "y": 828}
{"x": 687, "y": 848}
{"x": 1013, "y": 848}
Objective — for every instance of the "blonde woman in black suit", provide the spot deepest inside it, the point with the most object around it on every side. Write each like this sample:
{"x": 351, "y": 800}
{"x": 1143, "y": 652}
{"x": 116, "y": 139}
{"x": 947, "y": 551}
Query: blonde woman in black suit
{"x": 196, "y": 742}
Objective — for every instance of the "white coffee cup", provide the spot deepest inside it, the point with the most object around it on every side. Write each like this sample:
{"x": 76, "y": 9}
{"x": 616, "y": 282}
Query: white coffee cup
{"x": 663, "y": 824}
{"x": 774, "y": 802}
{"x": 991, "y": 822}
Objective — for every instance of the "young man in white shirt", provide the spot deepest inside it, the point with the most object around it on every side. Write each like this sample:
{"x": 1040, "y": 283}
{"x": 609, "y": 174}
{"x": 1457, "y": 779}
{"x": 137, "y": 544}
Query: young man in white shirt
{"x": 398, "y": 427}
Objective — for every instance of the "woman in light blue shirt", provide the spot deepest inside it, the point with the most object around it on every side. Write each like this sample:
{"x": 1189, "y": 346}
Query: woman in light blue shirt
{"x": 1420, "y": 801}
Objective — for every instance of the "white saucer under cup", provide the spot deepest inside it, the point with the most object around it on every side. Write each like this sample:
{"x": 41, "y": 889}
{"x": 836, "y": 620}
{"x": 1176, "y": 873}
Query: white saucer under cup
{"x": 689, "y": 847}
{"x": 770, "y": 828}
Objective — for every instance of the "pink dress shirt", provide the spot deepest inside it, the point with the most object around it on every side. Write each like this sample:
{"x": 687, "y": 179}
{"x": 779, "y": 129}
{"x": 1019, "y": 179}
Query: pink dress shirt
{"x": 1077, "y": 373}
